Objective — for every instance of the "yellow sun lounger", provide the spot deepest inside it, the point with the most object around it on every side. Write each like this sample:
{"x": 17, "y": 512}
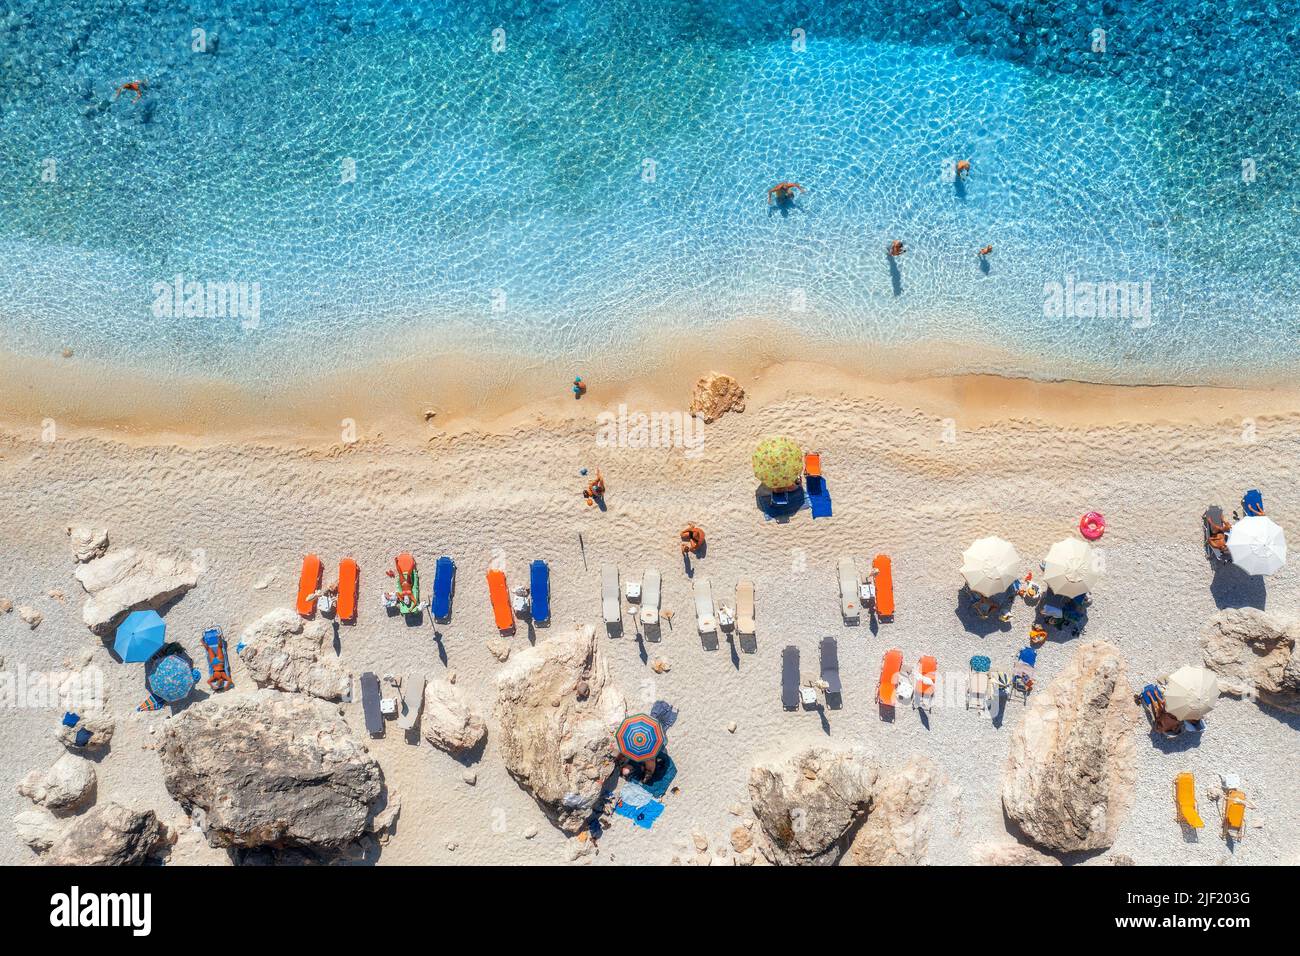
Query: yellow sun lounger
{"x": 1234, "y": 814}
{"x": 1185, "y": 791}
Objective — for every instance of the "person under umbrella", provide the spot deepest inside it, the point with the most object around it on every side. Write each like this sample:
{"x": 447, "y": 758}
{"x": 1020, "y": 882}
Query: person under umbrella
{"x": 170, "y": 676}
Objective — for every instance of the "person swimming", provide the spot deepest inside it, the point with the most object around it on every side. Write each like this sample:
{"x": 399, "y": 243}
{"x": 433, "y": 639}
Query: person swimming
{"x": 987, "y": 250}
{"x": 784, "y": 192}
{"x": 963, "y": 168}
{"x": 135, "y": 86}
{"x": 896, "y": 248}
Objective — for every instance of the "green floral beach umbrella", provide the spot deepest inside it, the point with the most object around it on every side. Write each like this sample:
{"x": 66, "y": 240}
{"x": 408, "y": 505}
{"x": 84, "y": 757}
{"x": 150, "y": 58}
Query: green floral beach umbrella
{"x": 778, "y": 463}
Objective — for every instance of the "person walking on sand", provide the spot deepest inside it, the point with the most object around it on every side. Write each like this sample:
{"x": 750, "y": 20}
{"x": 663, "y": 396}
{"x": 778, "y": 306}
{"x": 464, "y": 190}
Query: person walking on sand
{"x": 783, "y": 193}
{"x": 896, "y": 248}
{"x": 692, "y": 539}
{"x": 135, "y": 86}
{"x": 595, "y": 491}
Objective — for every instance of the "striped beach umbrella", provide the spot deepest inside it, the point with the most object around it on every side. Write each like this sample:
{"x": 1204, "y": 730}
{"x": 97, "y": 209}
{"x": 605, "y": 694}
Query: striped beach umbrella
{"x": 171, "y": 676}
{"x": 640, "y": 737}
{"x": 778, "y": 463}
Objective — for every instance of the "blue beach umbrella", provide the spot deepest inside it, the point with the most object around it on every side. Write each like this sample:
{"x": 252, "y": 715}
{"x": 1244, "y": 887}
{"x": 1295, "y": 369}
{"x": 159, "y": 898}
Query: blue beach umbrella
{"x": 139, "y": 637}
{"x": 640, "y": 737}
{"x": 172, "y": 676}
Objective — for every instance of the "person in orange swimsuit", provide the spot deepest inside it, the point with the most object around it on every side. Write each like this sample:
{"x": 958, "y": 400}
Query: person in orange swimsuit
{"x": 987, "y": 250}
{"x": 692, "y": 539}
{"x": 783, "y": 192}
{"x": 594, "y": 491}
{"x": 896, "y": 248}
{"x": 135, "y": 86}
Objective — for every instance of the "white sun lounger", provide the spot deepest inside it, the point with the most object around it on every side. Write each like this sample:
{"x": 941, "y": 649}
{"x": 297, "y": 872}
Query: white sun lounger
{"x": 609, "y": 596}
{"x": 413, "y": 702}
{"x": 650, "y": 597}
{"x": 704, "y": 613}
{"x": 849, "y": 589}
{"x": 745, "y": 616}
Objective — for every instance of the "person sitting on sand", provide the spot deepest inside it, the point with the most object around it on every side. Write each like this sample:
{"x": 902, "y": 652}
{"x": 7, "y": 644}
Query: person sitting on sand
{"x": 963, "y": 168}
{"x": 896, "y": 248}
{"x": 692, "y": 539}
{"x": 783, "y": 193}
{"x": 135, "y": 86}
{"x": 1167, "y": 723}
{"x": 1218, "y": 536}
{"x": 594, "y": 491}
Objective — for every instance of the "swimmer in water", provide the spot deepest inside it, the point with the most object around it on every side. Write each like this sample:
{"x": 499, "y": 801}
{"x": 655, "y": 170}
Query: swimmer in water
{"x": 135, "y": 86}
{"x": 987, "y": 250}
{"x": 896, "y": 248}
{"x": 784, "y": 192}
{"x": 963, "y": 168}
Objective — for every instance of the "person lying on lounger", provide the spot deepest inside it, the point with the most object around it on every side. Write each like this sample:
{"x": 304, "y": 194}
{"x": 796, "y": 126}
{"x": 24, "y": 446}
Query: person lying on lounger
{"x": 595, "y": 491}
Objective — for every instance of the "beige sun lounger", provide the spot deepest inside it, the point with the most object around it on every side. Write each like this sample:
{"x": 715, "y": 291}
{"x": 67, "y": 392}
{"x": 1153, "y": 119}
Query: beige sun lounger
{"x": 745, "y": 616}
{"x": 704, "y": 612}
{"x": 609, "y": 596}
{"x": 412, "y": 702}
{"x": 849, "y": 589}
{"x": 650, "y": 597}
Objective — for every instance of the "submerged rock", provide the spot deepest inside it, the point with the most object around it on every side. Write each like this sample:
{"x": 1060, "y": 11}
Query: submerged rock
{"x": 1072, "y": 767}
{"x": 557, "y": 712}
{"x": 1253, "y": 652}
{"x": 130, "y": 580}
{"x": 283, "y": 651}
{"x": 271, "y": 769}
{"x": 451, "y": 720}
{"x": 808, "y": 802}
{"x": 68, "y": 785}
{"x": 109, "y": 835}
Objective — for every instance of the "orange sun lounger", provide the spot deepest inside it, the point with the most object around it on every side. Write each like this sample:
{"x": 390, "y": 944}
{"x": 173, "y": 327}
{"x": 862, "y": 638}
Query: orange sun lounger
{"x": 884, "y": 586}
{"x": 308, "y": 584}
{"x": 500, "y": 596}
{"x": 1185, "y": 791}
{"x": 925, "y": 681}
{"x": 347, "y": 601}
{"x": 812, "y": 465}
{"x": 889, "y": 668}
{"x": 1234, "y": 814}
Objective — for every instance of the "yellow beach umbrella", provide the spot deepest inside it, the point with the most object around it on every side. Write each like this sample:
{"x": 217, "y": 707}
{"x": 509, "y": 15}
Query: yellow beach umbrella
{"x": 778, "y": 463}
{"x": 1071, "y": 568}
{"x": 990, "y": 566}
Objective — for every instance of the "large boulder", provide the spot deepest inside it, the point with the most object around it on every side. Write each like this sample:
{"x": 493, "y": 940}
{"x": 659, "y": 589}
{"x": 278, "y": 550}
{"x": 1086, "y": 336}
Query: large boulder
{"x": 1010, "y": 854}
{"x": 109, "y": 835}
{"x": 98, "y": 727}
{"x": 38, "y": 828}
{"x": 270, "y": 769}
{"x": 130, "y": 580}
{"x": 284, "y": 651}
{"x": 715, "y": 395}
{"x": 807, "y": 803}
{"x": 1072, "y": 767}
{"x": 557, "y": 712}
{"x": 1253, "y": 652}
{"x": 451, "y": 720}
{"x": 899, "y": 824}
{"x": 68, "y": 785}
{"x": 88, "y": 543}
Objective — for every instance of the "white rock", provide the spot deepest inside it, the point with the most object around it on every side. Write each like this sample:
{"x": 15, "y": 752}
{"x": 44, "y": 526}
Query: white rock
{"x": 66, "y": 786}
{"x": 127, "y": 580}
{"x": 38, "y": 828}
{"x": 284, "y": 651}
{"x": 31, "y": 617}
{"x": 452, "y": 721}
{"x": 88, "y": 543}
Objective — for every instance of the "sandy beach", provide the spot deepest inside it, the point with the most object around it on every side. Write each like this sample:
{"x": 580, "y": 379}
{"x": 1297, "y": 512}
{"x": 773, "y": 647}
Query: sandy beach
{"x": 916, "y": 469}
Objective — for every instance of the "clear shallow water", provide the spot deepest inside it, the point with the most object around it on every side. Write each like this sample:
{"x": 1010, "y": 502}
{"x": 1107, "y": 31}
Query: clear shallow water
{"x": 501, "y": 198}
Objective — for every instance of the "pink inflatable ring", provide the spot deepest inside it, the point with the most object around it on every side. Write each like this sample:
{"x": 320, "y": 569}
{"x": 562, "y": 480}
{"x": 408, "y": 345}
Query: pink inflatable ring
{"x": 1092, "y": 525}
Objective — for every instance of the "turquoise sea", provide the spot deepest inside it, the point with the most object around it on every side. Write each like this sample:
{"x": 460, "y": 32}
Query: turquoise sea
{"x": 317, "y": 184}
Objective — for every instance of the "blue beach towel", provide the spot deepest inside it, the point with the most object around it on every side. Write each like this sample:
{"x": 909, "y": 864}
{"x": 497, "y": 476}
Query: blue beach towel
{"x": 1252, "y": 503}
{"x": 644, "y": 817}
{"x": 540, "y": 588}
{"x": 444, "y": 583}
{"x": 819, "y": 497}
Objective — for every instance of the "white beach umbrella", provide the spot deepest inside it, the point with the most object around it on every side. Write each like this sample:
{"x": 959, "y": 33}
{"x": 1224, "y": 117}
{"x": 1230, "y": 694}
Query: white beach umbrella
{"x": 990, "y": 566}
{"x": 1257, "y": 545}
{"x": 1191, "y": 692}
{"x": 1071, "y": 568}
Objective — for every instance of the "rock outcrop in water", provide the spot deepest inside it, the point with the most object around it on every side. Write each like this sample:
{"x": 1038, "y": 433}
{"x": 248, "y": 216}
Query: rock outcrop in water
{"x": 557, "y": 712}
{"x": 271, "y": 769}
{"x": 1253, "y": 652}
{"x": 283, "y": 651}
{"x": 109, "y": 835}
{"x": 1072, "y": 768}
{"x": 808, "y": 802}
{"x": 130, "y": 580}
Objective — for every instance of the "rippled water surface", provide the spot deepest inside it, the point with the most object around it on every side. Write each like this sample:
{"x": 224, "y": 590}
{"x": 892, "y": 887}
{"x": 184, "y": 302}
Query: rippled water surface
{"x": 387, "y": 177}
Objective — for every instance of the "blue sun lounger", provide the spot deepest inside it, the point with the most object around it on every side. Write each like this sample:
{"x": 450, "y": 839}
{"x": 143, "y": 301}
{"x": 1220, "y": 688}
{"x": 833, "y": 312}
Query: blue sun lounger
{"x": 444, "y": 583}
{"x": 1252, "y": 502}
{"x": 539, "y": 582}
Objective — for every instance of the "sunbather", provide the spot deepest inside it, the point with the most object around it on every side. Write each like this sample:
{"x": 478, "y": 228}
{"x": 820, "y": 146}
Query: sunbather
{"x": 595, "y": 491}
{"x": 692, "y": 539}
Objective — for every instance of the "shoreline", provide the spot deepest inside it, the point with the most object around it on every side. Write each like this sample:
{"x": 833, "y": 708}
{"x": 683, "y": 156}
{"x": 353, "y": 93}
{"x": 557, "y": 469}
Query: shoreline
{"x": 391, "y": 400}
